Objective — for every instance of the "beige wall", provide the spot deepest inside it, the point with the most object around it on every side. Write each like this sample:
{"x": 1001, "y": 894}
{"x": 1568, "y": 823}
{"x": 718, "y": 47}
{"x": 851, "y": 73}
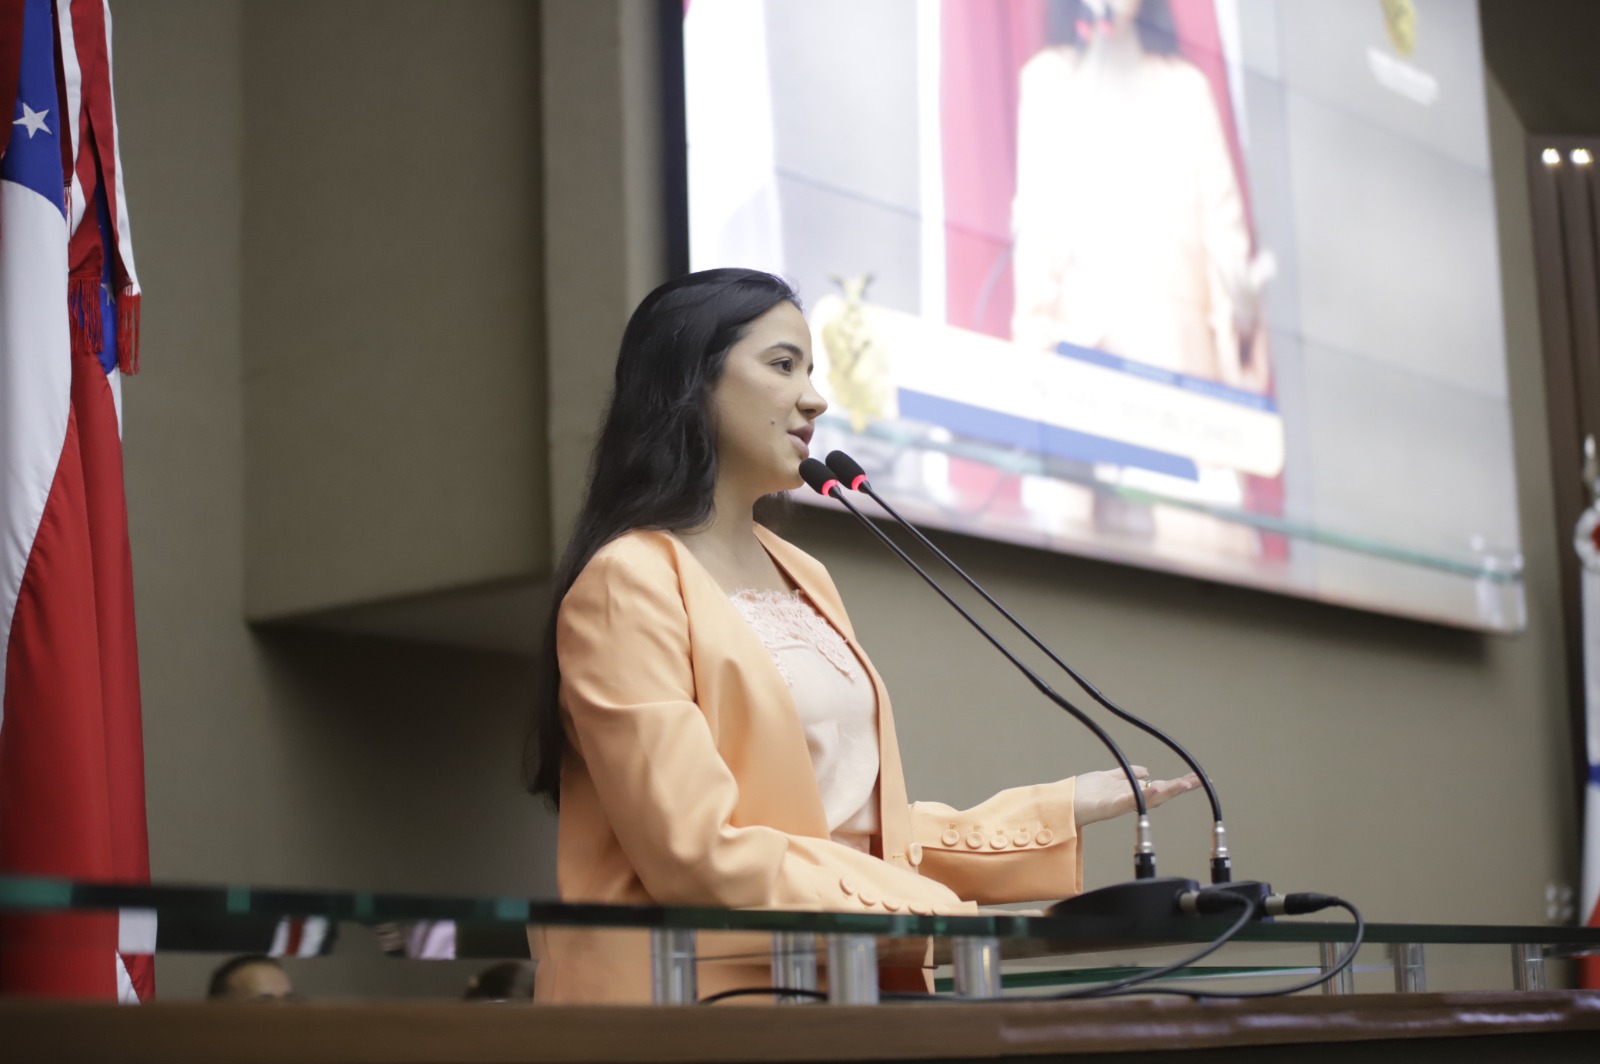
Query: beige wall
{"x": 286, "y": 757}
{"x": 604, "y": 236}
{"x": 1421, "y": 771}
{"x": 394, "y": 379}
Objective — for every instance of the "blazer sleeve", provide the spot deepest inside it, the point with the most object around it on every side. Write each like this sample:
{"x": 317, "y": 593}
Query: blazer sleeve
{"x": 1020, "y": 845}
{"x": 628, "y": 693}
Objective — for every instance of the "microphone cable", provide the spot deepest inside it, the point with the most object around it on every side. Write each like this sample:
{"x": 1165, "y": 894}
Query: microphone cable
{"x": 1120, "y": 987}
{"x": 1247, "y": 913}
{"x": 1289, "y": 904}
{"x": 1325, "y": 901}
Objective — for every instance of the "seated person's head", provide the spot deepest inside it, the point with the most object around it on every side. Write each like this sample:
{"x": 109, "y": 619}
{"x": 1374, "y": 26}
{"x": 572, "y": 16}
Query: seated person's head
{"x": 506, "y": 981}
{"x": 252, "y": 977}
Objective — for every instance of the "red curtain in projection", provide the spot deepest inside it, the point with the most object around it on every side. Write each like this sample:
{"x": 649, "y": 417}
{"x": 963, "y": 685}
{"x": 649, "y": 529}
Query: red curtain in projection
{"x": 984, "y": 47}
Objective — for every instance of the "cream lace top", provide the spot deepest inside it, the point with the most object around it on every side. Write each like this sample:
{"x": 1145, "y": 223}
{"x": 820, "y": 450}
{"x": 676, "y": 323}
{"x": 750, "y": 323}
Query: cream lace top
{"x": 837, "y": 707}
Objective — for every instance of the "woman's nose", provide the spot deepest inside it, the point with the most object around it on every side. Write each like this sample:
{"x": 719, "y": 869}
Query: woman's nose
{"x": 812, "y": 404}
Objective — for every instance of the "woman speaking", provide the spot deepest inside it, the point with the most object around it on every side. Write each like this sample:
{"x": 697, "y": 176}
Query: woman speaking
{"x": 708, "y": 726}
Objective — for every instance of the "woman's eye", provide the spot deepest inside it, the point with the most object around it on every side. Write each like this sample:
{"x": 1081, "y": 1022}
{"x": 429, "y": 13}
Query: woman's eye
{"x": 785, "y": 364}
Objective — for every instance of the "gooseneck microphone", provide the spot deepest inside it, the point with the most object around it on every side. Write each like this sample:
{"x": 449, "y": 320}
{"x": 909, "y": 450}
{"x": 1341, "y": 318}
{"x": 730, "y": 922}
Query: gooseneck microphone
{"x": 851, "y": 475}
{"x": 1148, "y": 895}
{"x": 1146, "y": 899}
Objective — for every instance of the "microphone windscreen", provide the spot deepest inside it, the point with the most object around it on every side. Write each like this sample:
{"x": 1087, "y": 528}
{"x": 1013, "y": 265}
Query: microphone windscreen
{"x": 847, "y": 469}
{"x": 818, "y": 476}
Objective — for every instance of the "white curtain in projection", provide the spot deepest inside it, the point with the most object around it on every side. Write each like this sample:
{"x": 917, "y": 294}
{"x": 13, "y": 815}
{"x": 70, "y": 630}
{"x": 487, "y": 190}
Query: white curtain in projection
{"x": 734, "y": 219}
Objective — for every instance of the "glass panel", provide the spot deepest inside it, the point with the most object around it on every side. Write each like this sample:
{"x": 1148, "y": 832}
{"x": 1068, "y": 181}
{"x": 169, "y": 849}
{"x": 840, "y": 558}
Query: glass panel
{"x": 329, "y": 941}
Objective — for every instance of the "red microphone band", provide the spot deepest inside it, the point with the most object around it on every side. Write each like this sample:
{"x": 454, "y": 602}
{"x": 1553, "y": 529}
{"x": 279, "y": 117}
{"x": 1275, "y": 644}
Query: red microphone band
{"x": 828, "y": 486}
{"x": 860, "y": 479}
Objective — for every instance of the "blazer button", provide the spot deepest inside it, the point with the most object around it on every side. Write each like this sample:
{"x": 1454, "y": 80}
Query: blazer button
{"x": 1044, "y": 836}
{"x": 999, "y": 841}
{"x": 975, "y": 841}
{"x": 1020, "y": 837}
{"x": 914, "y": 854}
{"x": 950, "y": 837}
{"x": 846, "y": 885}
{"x": 892, "y": 905}
{"x": 868, "y": 898}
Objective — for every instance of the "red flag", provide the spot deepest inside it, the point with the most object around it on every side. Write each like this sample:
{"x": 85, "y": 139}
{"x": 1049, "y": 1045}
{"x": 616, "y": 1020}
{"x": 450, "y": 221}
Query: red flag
{"x": 71, "y": 747}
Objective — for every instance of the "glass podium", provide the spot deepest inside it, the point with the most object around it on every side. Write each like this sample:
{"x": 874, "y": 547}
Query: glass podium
{"x": 833, "y": 958}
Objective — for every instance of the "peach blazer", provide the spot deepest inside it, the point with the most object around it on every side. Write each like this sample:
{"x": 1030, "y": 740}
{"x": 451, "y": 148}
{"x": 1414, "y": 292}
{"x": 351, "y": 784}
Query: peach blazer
{"x": 687, "y": 782}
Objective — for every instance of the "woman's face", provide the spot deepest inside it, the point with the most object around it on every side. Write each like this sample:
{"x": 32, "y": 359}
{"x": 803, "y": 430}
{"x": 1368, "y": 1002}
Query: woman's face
{"x": 763, "y": 405}
{"x": 1121, "y": 12}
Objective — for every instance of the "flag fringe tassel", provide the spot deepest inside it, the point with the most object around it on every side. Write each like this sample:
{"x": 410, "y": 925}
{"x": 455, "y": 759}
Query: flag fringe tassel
{"x": 128, "y": 330}
{"x": 83, "y": 312}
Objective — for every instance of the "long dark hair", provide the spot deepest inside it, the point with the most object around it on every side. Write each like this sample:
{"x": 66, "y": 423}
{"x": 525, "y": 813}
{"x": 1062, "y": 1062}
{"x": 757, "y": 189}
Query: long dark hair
{"x": 1158, "y": 34}
{"x": 655, "y": 465}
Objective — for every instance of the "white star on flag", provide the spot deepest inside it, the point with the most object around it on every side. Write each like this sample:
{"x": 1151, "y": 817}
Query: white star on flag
{"x": 32, "y": 120}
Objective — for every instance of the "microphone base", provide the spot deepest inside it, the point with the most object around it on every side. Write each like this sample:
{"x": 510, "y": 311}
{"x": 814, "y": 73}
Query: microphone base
{"x": 1253, "y": 890}
{"x": 1142, "y": 901}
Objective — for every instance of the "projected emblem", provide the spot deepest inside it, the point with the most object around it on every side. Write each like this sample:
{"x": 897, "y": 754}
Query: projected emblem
{"x": 858, "y": 368}
{"x": 1400, "y": 19}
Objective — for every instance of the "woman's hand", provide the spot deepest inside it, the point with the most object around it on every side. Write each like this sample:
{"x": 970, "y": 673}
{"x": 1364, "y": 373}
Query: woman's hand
{"x": 1103, "y": 795}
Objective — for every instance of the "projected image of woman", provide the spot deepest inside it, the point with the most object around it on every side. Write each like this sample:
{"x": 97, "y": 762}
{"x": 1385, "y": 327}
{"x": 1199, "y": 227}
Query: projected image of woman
{"x": 709, "y": 725}
{"x": 1131, "y": 234}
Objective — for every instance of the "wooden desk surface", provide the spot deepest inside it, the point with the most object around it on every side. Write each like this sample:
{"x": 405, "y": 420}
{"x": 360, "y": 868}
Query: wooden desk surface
{"x": 431, "y": 1033}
